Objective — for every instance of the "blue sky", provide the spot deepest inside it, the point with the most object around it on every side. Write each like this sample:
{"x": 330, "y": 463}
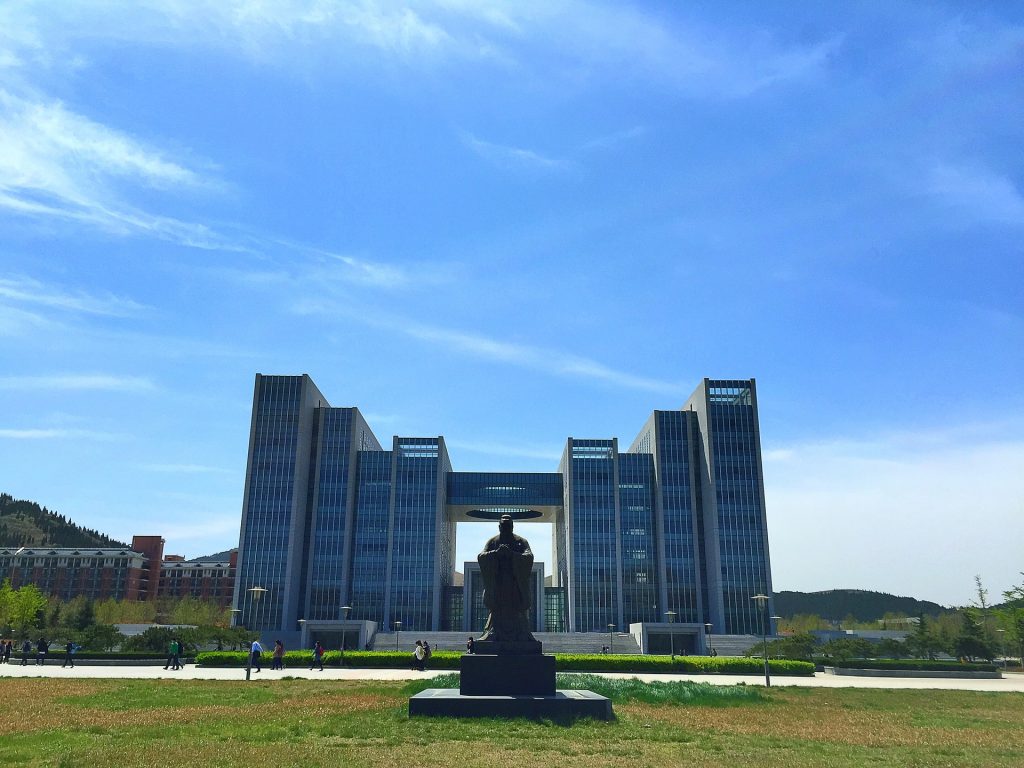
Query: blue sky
{"x": 509, "y": 223}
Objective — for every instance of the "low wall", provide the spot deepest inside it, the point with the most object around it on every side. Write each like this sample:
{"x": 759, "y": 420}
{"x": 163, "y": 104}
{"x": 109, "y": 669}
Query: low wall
{"x": 914, "y": 673}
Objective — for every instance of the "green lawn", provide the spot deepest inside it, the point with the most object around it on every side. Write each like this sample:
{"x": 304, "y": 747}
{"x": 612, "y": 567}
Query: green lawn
{"x": 75, "y": 722}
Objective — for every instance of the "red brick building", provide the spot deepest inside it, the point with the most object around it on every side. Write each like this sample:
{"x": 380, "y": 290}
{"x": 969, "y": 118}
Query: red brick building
{"x": 140, "y": 572}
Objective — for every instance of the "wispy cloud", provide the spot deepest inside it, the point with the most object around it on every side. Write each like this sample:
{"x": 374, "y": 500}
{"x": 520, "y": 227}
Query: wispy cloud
{"x": 979, "y": 194}
{"x": 55, "y": 163}
{"x": 510, "y": 157}
{"x": 58, "y": 434}
{"x": 26, "y": 290}
{"x": 614, "y": 139}
{"x": 525, "y": 355}
{"x": 77, "y": 381}
{"x": 568, "y": 41}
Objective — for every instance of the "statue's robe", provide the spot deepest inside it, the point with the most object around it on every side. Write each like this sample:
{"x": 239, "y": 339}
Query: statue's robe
{"x": 506, "y": 572}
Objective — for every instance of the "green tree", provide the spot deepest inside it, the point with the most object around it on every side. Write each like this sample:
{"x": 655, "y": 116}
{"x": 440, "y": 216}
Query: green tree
{"x": 1011, "y": 618}
{"x": 27, "y": 606}
{"x": 848, "y": 648}
{"x": 6, "y": 605}
{"x": 894, "y": 649}
{"x": 924, "y": 641}
{"x": 799, "y": 647}
{"x": 971, "y": 643}
{"x": 101, "y": 637}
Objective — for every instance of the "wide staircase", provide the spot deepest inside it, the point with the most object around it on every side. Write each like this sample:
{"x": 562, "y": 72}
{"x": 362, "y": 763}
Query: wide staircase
{"x": 554, "y": 642}
{"x": 735, "y": 645}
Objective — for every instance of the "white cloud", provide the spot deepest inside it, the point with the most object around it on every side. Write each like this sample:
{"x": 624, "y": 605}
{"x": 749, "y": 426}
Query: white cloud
{"x": 904, "y": 514}
{"x": 510, "y": 157}
{"x": 525, "y": 355}
{"x": 979, "y": 194}
{"x": 58, "y": 434}
{"x": 104, "y": 382}
{"x": 564, "y": 40}
{"x": 26, "y": 290}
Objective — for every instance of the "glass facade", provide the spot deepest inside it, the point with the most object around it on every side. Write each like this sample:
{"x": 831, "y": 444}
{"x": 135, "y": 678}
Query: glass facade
{"x": 639, "y": 551}
{"x": 327, "y": 539}
{"x": 734, "y": 458}
{"x": 370, "y": 557}
{"x": 594, "y": 596}
{"x": 677, "y": 523}
{"x": 675, "y": 484}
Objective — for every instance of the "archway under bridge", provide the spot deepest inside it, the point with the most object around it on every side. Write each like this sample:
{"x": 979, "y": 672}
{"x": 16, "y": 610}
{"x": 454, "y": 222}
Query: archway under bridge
{"x": 476, "y": 502}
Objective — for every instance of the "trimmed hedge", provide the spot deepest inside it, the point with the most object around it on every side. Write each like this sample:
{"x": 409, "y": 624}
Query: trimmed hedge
{"x": 565, "y": 662}
{"x": 911, "y": 665}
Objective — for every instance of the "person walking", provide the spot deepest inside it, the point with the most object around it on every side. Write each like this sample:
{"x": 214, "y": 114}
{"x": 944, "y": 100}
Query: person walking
{"x": 26, "y": 650}
{"x": 178, "y": 648}
{"x": 70, "y": 649}
{"x": 8, "y": 650}
{"x": 256, "y": 655}
{"x": 172, "y": 652}
{"x": 418, "y": 656}
{"x": 278, "y": 660}
{"x": 471, "y": 645}
{"x": 318, "y": 657}
{"x": 42, "y": 648}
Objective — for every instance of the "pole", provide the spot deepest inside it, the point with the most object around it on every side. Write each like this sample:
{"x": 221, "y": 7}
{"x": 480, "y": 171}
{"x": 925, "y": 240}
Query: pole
{"x": 762, "y": 602}
{"x": 611, "y": 647}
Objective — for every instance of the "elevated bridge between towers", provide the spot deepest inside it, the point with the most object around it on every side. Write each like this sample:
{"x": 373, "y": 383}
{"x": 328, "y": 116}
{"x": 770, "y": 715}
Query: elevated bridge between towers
{"x": 534, "y": 497}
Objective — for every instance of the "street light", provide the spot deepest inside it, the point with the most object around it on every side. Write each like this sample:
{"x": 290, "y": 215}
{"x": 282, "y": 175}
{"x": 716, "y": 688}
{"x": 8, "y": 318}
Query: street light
{"x": 762, "y": 604}
{"x": 671, "y": 616}
{"x": 707, "y": 632}
{"x": 234, "y": 615}
{"x": 999, "y": 644}
{"x": 344, "y": 617}
{"x": 398, "y": 628}
{"x": 611, "y": 647}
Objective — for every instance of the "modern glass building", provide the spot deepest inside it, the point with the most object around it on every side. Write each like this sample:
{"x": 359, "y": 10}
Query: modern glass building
{"x": 332, "y": 521}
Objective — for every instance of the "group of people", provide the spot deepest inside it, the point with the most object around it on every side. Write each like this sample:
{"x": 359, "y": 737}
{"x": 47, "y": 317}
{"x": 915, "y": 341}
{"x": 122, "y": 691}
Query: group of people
{"x": 37, "y": 652}
{"x": 255, "y": 660}
{"x": 174, "y": 649}
{"x": 421, "y": 654}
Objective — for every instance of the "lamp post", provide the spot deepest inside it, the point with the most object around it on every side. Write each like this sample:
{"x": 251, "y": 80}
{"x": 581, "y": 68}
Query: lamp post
{"x": 611, "y": 647}
{"x": 398, "y": 628}
{"x": 762, "y": 604}
{"x": 344, "y": 617}
{"x": 671, "y": 616}
{"x": 707, "y": 633}
{"x": 235, "y": 615}
{"x": 302, "y": 632}
{"x": 255, "y": 593}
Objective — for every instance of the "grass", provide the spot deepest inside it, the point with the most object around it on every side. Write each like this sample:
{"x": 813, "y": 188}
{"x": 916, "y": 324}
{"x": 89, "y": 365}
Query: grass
{"x": 124, "y": 723}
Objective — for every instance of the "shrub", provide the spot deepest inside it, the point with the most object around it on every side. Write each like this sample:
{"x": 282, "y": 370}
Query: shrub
{"x": 916, "y": 665}
{"x": 565, "y": 662}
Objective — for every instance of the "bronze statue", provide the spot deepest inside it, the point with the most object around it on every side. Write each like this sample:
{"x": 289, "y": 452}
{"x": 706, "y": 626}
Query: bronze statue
{"x": 506, "y": 564}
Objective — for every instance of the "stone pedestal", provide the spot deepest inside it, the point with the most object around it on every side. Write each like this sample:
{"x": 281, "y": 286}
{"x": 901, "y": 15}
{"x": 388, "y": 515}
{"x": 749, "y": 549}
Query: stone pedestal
{"x": 563, "y": 705}
{"x": 532, "y": 675}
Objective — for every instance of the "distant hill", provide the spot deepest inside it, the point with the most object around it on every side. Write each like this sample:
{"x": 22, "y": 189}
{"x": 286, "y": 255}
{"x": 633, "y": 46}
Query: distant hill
{"x": 26, "y": 524}
{"x": 862, "y": 604}
{"x": 222, "y": 556}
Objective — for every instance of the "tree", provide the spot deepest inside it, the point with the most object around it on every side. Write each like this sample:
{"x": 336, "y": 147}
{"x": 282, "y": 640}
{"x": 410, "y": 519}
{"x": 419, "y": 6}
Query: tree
{"x": 894, "y": 649}
{"x": 6, "y": 605}
{"x": 845, "y": 648}
{"x": 799, "y": 647}
{"x": 923, "y": 641}
{"x": 101, "y": 637}
{"x": 971, "y": 643}
{"x": 26, "y": 606}
{"x": 1011, "y": 617}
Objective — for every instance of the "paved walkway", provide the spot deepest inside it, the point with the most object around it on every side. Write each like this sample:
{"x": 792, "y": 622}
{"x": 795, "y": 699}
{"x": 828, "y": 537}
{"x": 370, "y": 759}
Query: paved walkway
{"x": 1010, "y": 682}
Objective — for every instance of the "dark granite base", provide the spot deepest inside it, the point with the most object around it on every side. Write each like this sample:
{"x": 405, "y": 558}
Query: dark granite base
{"x": 514, "y": 647}
{"x": 532, "y": 675}
{"x": 563, "y": 705}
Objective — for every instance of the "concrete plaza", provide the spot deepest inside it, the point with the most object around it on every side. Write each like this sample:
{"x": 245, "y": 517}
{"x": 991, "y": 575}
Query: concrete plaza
{"x": 1011, "y": 682}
